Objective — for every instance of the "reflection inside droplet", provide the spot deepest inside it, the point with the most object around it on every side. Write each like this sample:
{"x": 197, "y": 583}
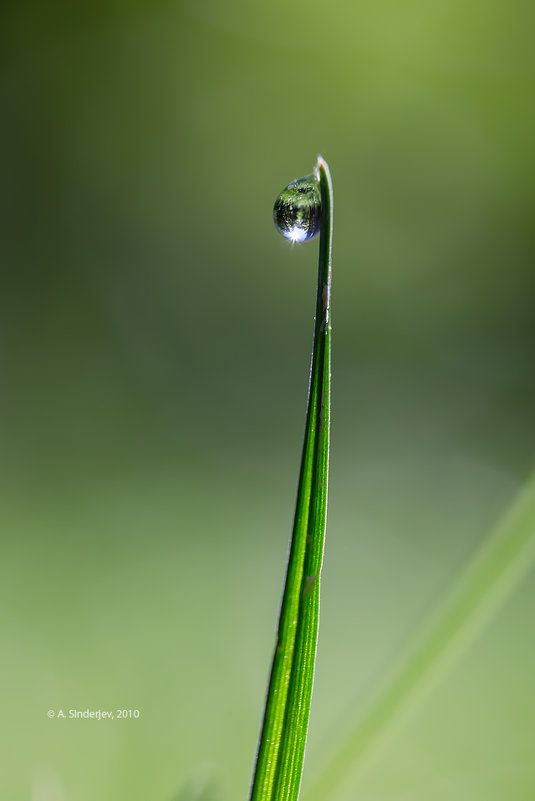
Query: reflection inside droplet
{"x": 297, "y": 210}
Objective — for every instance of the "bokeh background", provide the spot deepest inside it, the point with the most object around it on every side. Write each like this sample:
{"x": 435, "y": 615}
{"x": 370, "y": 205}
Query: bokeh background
{"x": 155, "y": 338}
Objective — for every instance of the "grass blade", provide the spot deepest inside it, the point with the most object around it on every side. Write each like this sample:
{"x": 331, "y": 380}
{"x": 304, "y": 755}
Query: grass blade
{"x": 281, "y": 747}
{"x": 493, "y": 573}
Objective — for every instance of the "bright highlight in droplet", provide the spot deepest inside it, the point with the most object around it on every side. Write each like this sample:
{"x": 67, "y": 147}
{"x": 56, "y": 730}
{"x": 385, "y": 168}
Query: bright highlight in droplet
{"x": 297, "y": 235}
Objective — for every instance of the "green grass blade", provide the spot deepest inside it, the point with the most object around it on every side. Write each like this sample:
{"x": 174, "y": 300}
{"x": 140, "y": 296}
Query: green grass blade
{"x": 282, "y": 741}
{"x": 493, "y": 573}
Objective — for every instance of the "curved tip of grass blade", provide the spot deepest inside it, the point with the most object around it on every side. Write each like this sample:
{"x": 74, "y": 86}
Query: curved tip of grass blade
{"x": 281, "y": 747}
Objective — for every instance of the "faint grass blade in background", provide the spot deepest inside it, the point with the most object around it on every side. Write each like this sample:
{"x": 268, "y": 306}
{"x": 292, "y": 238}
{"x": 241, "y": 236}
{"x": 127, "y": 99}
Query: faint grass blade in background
{"x": 199, "y": 789}
{"x": 304, "y": 208}
{"x": 496, "y": 569}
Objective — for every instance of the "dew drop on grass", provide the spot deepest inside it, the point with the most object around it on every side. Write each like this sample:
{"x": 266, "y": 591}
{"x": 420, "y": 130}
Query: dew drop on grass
{"x": 297, "y": 210}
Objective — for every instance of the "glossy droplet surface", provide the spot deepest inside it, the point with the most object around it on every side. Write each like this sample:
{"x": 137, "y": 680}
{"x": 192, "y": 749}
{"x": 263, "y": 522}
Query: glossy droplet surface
{"x": 297, "y": 210}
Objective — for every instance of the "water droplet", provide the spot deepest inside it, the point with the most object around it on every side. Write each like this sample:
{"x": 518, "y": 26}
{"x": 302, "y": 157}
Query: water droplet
{"x": 297, "y": 210}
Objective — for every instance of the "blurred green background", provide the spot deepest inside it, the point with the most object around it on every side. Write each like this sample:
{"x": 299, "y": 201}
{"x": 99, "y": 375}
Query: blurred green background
{"x": 155, "y": 338}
